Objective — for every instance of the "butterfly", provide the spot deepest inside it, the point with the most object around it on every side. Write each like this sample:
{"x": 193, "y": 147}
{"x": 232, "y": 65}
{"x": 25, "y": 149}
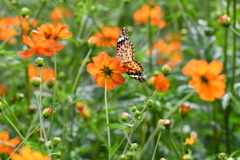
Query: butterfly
{"x": 125, "y": 53}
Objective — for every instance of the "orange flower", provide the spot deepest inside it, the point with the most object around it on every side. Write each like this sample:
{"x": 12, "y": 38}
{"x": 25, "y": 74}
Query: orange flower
{"x": 184, "y": 110}
{"x": 6, "y": 29}
{"x": 107, "y": 37}
{"x": 26, "y": 153}
{"x": 161, "y": 83}
{"x": 57, "y": 14}
{"x": 205, "y": 79}
{"x": 34, "y": 71}
{"x": 7, "y": 146}
{"x": 27, "y": 23}
{"x": 142, "y": 14}
{"x": 169, "y": 53}
{"x": 3, "y": 90}
{"x": 39, "y": 46}
{"x": 50, "y": 31}
{"x": 106, "y": 68}
{"x": 191, "y": 140}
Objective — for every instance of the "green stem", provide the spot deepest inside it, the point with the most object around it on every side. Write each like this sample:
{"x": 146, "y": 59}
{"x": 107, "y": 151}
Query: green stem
{"x": 80, "y": 71}
{"x": 139, "y": 155}
{"x": 40, "y": 9}
{"x": 233, "y": 28}
{"x": 13, "y": 115}
{"x": 181, "y": 136}
{"x": 155, "y": 149}
{"x": 95, "y": 129}
{"x": 40, "y": 105}
{"x": 107, "y": 119}
{"x": 174, "y": 108}
{"x": 225, "y": 52}
{"x": 144, "y": 130}
{"x": 14, "y": 127}
{"x": 27, "y": 136}
{"x": 173, "y": 144}
{"x": 55, "y": 75}
{"x": 65, "y": 119}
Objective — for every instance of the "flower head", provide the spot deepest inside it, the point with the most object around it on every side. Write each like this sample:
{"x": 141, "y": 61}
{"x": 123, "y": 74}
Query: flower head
{"x": 161, "y": 83}
{"x": 107, "y": 37}
{"x": 6, "y": 145}
{"x": 40, "y": 47}
{"x": 3, "y": 90}
{"x": 142, "y": 15}
{"x": 57, "y": 14}
{"x": 191, "y": 140}
{"x": 205, "y": 78}
{"x": 50, "y": 31}
{"x": 224, "y": 20}
{"x": 106, "y": 69}
{"x": 184, "y": 110}
{"x": 168, "y": 52}
{"x": 26, "y": 153}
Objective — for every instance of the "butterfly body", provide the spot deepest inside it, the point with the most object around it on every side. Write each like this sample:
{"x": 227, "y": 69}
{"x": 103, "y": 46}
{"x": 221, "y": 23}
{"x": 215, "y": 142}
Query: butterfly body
{"x": 125, "y": 53}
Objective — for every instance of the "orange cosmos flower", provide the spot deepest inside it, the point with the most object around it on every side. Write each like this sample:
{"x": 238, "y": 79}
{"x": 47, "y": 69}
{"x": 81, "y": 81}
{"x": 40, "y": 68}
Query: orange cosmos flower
{"x": 57, "y": 14}
{"x": 107, "y": 37}
{"x": 50, "y": 31}
{"x": 161, "y": 83}
{"x": 33, "y": 71}
{"x": 205, "y": 79}
{"x": 6, "y": 29}
{"x": 169, "y": 53}
{"x": 26, "y": 153}
{"x": 106, "y": 68}
{"x": 6, "y": 145}
{"x": 3, "y": 90}
{"x": 39, "y": 46}
{"x": 142, "y": 14}
{"x": 184, "y": 110}
{"x": 191, "y": 140}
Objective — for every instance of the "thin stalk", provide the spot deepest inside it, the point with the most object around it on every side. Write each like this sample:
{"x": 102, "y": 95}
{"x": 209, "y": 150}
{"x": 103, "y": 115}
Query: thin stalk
{"x": 174, "y": 108}
{"x": 12, "y": 114}
{"x": 156, "y": 146}
{"x": 181, "y": 136}
{"x": 173, "y": 144}
{"x": 27, "y": 136}
{"x": 233, "y": 28}
{"x": 12, "y": 124}
{"x": 80, "y": 71}
{"x": 40, "y": 9}
{"x": 229, "y": 107}
{"x": 150, "y": 41}
{"x": 144, "y": 130}
{"x": 107, "y": 119}
{"x": 40, "y": 105}
{"x": 65, "y": 119}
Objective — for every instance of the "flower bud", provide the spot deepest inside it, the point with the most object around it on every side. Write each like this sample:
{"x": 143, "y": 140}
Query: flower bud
{"x": 155, "y": 73}
{"x": 150, "y": 102}
{"x": 1, "y": 107}
{"x": 160, "y": 122}
{"x": 41, "y": 140}
{"x": 93, "y": 40}
{"x": 124, "y": 116}
{"x": 79, "y": 106}
{"x": 130, "y": 154}
{"x": 21, "y": 96}
{"x": 187, "y": 157}
{"x": 51, "y": 82}
{"x": 134, "y": 146}
{"x": 163, "y": 159}
{"x": 25, "y": 11}
{"x": 39, "y": 62}
{"x": 166, "y": 70}
{"x": 224, "y": 20}
{"x": 56, "y": 141}
{"x": 35, "y": 81}
{"x": 183, "y": 110}
{"x": 222, "y": 155}
{"x": 85, "y": 114}
{"x": 167, "y": 123}
{"x": 123, "y": 157}
{"x": 32, "y": 109}
{"x": 133, "y": 109}
{"x": 47, "y": 113}
{"x": 150, "y": 81}
{"x": 137, "y": 113}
